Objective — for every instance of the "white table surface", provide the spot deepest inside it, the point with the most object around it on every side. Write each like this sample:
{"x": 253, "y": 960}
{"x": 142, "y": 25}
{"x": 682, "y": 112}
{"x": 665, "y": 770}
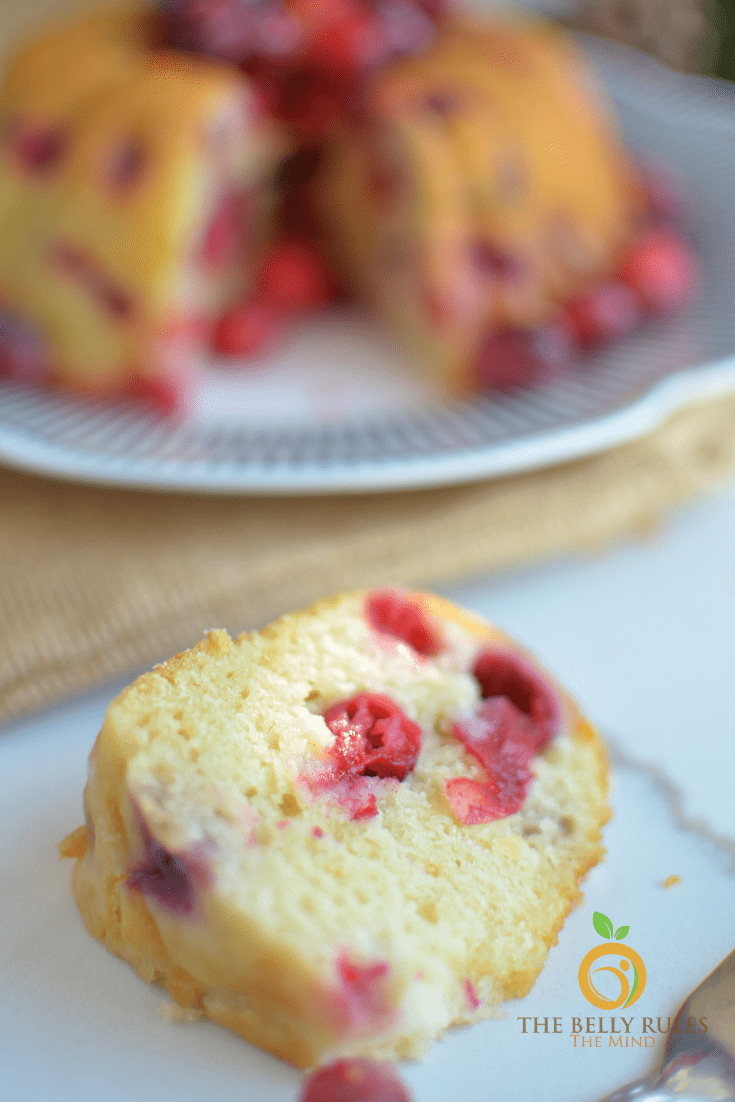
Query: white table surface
{"x": 642, "y": 634}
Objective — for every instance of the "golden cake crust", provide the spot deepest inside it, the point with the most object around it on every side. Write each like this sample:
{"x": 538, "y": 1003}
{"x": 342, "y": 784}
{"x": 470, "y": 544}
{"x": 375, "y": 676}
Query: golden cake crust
{"x": 210, "y": 751}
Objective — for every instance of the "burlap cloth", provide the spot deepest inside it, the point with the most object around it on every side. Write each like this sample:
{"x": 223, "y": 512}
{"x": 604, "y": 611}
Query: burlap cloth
{"x": 96, "y": 582}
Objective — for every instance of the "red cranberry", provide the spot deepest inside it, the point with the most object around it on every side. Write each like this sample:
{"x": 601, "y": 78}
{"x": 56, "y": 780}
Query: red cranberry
{"x": 170, "y": 879}
{"x": 393, "y": 613}
{"x": 373, "y": 737}
{"x": 662, "y": 270}
{"x": 167, "y": 393}
{"x": 126, "y": 164}
{"x": 246, "y": 328}
{"x": 609, "y": 310}
{"x": 521, "y": 357}
{"x": 41, "y": 149}
{"x": 295, "y": 277}
{"x": 495, "y": 262}
{"x": 355, "y": 1080}
{"x": 502, "y": 739}
{"x": 503, "y": 674}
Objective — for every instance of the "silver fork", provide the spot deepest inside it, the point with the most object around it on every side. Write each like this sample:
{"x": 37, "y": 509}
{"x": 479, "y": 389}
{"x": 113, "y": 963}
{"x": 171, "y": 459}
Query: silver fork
{"x": 695, "y": 1066}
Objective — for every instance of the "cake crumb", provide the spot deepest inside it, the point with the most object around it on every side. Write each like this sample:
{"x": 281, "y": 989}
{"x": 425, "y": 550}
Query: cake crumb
{"x": 670, "y": 881}
{"x": 172, "y": 1012}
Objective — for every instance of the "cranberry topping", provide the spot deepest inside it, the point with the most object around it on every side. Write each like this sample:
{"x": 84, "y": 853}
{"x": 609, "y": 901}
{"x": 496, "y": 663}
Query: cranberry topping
{"x": 354, "y": 1080}
{"x": 41, "y": 149}
{"x": 168, "y": 878}
{"x": 394, "y": 613}
{"x": 295, "y": 277}
{"x": 662, "y": 270}
{"x": 521, "y": 357}
{"x": 373, "y": 737}
{"x": 501, "y": 673}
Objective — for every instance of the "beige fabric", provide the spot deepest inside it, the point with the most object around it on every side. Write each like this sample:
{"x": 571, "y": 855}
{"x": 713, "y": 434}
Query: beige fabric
{"x": 97, "y": 582}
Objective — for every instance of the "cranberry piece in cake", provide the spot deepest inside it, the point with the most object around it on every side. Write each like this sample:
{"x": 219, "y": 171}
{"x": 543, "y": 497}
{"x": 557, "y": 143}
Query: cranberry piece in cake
{"x": 355, "y": 1080}
{"x": 171, "y": 879}
{"x": 23, "y": 356}
{"x": 295, "y": 277}
{"x": 502, "y": 739}
{"x": 373, "y": 737}
{"x": 247, "y": 328}
{"x": 502, "y": 673}
{"x": 394, "y": 613}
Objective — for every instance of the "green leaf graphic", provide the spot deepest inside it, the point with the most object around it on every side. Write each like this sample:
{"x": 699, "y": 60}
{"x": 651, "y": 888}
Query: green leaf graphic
{"x": 602, "y": 924}
{"x": 621, "y": 932}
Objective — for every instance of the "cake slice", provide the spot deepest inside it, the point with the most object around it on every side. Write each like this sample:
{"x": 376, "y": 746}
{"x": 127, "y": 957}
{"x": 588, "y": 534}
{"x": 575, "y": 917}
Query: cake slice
{"x": 345, "y": 833}
{"x": 134, "y": 202}
{"x": 484, "y": 187}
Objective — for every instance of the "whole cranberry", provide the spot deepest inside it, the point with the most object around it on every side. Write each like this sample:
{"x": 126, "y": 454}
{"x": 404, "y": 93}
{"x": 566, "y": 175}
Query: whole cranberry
{"x": 355, "y": 1080}
{"x": 662, "y": 270}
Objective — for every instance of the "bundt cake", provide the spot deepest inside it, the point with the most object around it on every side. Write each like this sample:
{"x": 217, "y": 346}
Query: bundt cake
{"x": 134, "y": 201}
{"x": 342, "y": 834}
{"x": 486, "y": 187}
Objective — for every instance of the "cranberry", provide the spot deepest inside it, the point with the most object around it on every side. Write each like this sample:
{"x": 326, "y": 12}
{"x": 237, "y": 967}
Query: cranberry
{"x": 373, "y": 737}
{"x": 41, "y": 149}
{"x": 503, "y": 674}
{"x": 662, "y": 270}
{"x": 167, "y": 393}
{"x": 295, "y": 277}
{"x": 502, "y": 739}
{"x": 495, "y": 262}
{"x": 609, "y": 310}
{"x": 246, "y": 328}
{"x": 393, "y": 613}
{"x": 126, "y": 164}
{"x": 22, "y": 353}
{"x": 363, "y": 996}
{"x": 81, "y": 266}
{"x": 168, "y": 878}
{"x": 473, "y": 802}
{"x": 355, "y": 1080}
{"x": 521, "y": 357}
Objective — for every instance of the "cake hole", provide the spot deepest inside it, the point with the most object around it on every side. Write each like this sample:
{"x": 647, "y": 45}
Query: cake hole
{"x": 530, "y": 830}
{"x": 433, "y": 870}
{"x": 178, "y": 716}
{"x": 194, "y": 754}
{"x": 250, "y": 792}
{"x": 567, "y": 824}
{"x": 289, "y": 805}
{"x": 428, "y": 912}
{"x": 313, "y": 695}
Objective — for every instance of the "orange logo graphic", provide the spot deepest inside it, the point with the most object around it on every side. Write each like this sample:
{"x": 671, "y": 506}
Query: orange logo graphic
{"x": 630, "y": 972}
